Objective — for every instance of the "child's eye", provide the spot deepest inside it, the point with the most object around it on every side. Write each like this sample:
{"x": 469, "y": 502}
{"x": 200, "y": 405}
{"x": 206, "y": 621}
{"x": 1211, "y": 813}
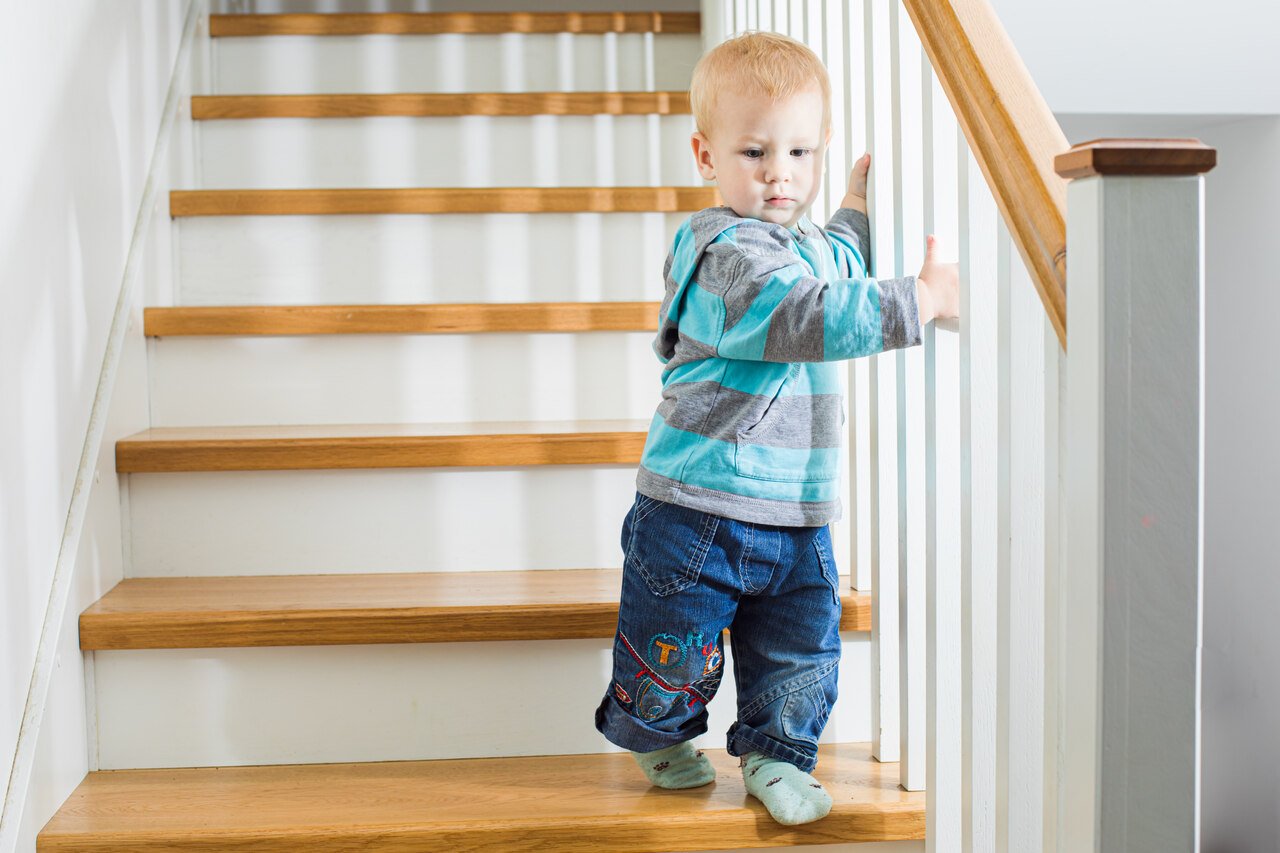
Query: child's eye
{"x": 753, "y": 153}
{"x": 801, "y": 152}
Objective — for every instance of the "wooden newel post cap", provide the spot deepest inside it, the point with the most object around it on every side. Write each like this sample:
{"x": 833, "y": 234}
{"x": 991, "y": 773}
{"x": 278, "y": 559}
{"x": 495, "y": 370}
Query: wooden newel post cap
{"x": 1136, "y": 157}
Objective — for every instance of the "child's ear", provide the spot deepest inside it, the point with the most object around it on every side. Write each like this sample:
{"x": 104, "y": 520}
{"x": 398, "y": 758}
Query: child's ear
{"x": 702, "y": 156}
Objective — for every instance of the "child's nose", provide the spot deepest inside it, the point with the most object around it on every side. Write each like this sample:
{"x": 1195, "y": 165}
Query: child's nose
{"x": 777, "y": 170}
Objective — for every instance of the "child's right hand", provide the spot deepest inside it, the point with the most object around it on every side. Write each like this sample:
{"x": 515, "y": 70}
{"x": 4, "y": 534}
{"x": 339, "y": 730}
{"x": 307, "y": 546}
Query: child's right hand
{"x": 937, "y": 286}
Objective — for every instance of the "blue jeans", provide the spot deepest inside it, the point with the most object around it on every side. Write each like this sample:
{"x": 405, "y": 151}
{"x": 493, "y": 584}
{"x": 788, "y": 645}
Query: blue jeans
{"x": 689, "y": 575}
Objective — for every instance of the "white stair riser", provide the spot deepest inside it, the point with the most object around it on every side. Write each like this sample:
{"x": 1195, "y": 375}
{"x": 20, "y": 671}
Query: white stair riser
{"x": 201, "y": 707}
{"x": 384, "y": 520}
{"x": 543, "y": 257}
{"x": 331, "y": 379}
{"x": 467, "y": 151}
{"x": 513, "y": 62}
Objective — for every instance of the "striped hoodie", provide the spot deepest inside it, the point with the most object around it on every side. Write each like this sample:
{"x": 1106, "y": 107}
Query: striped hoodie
{"x": 754, "y": 317}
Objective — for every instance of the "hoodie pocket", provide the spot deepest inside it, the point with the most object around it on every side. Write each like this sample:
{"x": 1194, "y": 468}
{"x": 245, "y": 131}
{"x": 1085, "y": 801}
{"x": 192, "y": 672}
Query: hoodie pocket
{"x": 768, "y": 451}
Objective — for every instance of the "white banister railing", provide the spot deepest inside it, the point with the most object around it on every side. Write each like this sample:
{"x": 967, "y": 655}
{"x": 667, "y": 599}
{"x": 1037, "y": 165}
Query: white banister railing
{"x": 1003, "y": 675}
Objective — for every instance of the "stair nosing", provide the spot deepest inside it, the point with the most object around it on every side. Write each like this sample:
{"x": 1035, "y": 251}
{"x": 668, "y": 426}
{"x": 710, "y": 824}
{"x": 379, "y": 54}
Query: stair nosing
{"x": 436, "y": 318}
{"x": 439, "y": 104}
{"x": 343, "y": 446}
{"x": 357, "y": 201}
{"x": 124, "y": 619}
{"x": 459, "y": 23}
{"x": 511, "y": 804}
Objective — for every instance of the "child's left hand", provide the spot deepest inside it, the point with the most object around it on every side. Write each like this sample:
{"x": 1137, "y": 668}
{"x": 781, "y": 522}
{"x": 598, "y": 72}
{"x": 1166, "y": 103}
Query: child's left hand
{"x": 855, "y": 197}
{"x": 858, "y": 177}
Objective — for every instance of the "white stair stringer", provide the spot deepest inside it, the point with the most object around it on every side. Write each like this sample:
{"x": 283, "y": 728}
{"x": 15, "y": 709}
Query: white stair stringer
{"x": 509, "y": 62}
{"x": 493, "y": 257}
{"x": 448, "y": 151}
{"x": 333, "y": 379}
{"x": 311, "y": 704}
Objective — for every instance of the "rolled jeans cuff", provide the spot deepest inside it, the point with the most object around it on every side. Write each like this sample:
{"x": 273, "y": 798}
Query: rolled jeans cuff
{"x": 744, "y": 739}
{"x": 622, "y": 729}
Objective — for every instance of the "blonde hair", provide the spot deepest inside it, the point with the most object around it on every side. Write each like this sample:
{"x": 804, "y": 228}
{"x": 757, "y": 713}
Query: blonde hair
{"x": 756, "y": 63}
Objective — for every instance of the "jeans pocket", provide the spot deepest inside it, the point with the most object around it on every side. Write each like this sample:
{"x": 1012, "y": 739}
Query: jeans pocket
{"x": 827, "y": 563}
{"x": 668, "y": 544}
{"x": 804, "y": 713}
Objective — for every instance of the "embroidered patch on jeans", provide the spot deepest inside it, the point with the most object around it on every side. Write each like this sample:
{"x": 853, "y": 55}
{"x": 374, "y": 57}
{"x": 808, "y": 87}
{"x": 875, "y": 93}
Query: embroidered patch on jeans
{"x": 666, "y": 650}
{"x": 622, "y": 695}
{"x": 713, "y": 658}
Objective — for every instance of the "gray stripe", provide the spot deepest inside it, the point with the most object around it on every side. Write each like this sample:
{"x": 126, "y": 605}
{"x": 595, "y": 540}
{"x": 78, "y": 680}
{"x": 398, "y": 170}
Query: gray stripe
{"x": 737, "y": 507}
{"x": 707, "y": 224}
{"x": 764, "y": 249}
{"x": 711, "y": 410}
{"x": 899, "y": 313}
{"x": 752, "y": 276}
{"x": 796, "y": 329}
{"x": 688, "y": 350}
{"x": 717, "y": 267}
{"x": 854, "y": 225}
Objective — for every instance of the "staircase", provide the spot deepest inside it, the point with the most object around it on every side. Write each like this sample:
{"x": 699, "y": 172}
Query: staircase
{"x": 396, "y": 404}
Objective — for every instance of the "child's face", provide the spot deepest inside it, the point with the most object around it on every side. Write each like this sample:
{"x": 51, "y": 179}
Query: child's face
{"x": 766, "y": 156}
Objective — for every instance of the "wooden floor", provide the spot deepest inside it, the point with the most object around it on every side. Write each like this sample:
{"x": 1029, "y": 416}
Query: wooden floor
{"x": 517, "y": 805}
{"x": 309, "y": 610}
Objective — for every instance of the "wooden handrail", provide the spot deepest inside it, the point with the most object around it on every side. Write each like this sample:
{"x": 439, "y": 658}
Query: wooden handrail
{"x": 1011, "y": 130}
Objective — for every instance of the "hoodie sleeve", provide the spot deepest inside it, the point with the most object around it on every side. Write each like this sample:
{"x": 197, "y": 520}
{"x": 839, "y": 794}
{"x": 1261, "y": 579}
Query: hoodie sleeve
{"x": 775, "y": 309}
{"x": 850, "y": 233}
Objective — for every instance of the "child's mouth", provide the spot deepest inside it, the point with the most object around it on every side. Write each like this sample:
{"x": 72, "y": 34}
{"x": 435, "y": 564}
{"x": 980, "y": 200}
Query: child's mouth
{"x": 778, "y": 201}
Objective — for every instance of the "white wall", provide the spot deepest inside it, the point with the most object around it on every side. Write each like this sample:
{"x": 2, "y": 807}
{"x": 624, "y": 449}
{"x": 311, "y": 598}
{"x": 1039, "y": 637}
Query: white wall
{"x": 1146, "y": 56}
{"x": 83, "y": 84}
{"x": 1241, "y": 697}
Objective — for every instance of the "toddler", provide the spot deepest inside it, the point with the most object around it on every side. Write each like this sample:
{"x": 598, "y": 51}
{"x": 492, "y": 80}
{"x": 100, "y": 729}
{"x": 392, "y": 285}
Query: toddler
{"x": 739, "y": 474}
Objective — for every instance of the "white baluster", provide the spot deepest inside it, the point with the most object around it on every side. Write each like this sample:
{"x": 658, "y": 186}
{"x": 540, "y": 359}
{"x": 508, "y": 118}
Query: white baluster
{"x": 1054, "y": 624}
{"x": 979, "y": 406}
{"x": 846, "y": 37}
{"x": 1020, "y": 625}
{"x": 882, "y": 391}
{"x": 908, "y": 170}
{"x": 942, "y": 511}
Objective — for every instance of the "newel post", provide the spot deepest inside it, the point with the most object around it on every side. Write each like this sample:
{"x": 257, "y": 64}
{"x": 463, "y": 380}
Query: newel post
{"x": 1131, "y": 583}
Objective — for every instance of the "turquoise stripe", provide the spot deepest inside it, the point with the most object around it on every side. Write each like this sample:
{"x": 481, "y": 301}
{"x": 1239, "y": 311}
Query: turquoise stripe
{"x": 711, "y": 464}
{"x": 846, "y": 247}
{"x": 820, "y": 377}
{"x": 701, "y": 315}
{"x": 851, "y": 324}
{"x": 748, "y": 336}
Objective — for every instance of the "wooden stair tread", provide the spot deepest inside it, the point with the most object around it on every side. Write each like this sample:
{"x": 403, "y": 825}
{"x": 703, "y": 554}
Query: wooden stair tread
{"x": 402, "y": 319}
{"x": 310, "y": 446}
{"x": 431, "y": 607}
{"x": 471, "y": 23}
{"x": 321, "y": 202}
{"x": 567, "y": 803}
{"x": 204, "y": 107}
